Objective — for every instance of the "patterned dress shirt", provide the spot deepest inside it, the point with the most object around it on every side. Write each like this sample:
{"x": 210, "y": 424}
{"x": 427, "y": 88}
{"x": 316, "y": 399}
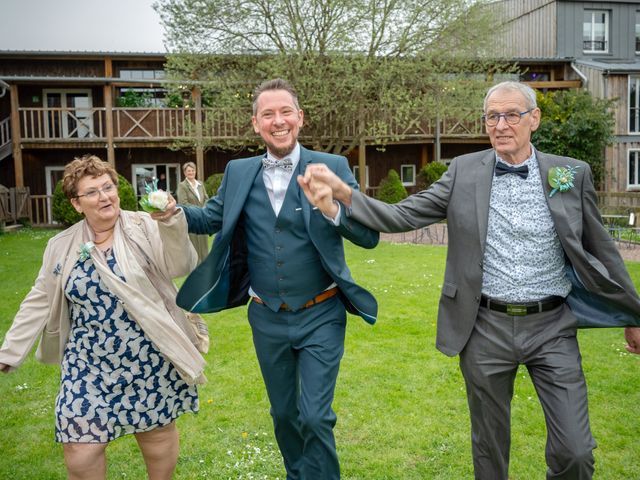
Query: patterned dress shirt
{"x": 523, "y": 258}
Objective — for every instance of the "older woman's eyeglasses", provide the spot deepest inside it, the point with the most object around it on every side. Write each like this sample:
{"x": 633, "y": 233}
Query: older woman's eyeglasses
{"x": 512, "y": 118}
{"x": 108, "y": 189}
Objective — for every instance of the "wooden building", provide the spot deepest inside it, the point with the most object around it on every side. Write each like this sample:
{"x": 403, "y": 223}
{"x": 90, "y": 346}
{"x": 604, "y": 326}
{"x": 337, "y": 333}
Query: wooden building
{"x": 55, "y": 106}
{"x": 593, "y": 43}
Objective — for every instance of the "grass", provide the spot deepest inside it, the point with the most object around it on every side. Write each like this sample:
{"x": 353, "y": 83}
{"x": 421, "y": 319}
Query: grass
{"x": 401, "y": 404}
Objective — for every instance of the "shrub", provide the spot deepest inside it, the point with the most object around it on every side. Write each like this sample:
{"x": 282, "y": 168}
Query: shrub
{"x": 64, "y": 213}
{"x": 128, "y": 200}
{"x": 391, "y": 189}
{"x": 432, "y": 172}
{"x": 212, "y": 183}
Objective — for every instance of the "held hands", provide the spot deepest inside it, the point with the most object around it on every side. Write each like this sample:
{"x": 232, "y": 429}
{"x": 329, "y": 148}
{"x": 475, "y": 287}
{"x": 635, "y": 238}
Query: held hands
{"x": 169, "y": 211}
{"x": 321, "y": 186}
{"x": 319, "y": 195}
{"x": 632, "y": 335}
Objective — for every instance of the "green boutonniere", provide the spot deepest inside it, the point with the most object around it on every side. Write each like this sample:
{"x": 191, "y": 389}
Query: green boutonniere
{"x": 85, "y": 250}
{"x": 561, "y": 179}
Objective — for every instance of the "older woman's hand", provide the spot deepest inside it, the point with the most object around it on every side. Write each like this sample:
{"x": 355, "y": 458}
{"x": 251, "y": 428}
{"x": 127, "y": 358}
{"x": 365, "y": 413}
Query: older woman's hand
{"x": 168, "y": 212}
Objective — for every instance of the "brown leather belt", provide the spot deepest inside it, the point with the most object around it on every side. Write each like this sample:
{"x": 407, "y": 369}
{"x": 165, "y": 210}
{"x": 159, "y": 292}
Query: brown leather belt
{"x": 321, "y": 297}
{"x": 521, "y": 309}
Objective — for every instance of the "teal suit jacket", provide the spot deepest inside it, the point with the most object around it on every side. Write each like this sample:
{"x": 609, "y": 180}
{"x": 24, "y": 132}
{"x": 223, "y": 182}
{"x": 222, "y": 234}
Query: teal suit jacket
{"x": 222, "y": 280}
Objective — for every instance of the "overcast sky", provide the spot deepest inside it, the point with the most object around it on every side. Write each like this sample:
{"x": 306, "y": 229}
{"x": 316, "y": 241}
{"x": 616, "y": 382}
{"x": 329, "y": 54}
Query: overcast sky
{"x": 80, "y": 25}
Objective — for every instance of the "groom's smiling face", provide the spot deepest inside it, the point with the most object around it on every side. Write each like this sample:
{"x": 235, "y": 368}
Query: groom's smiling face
{"x": 278, "y": 120}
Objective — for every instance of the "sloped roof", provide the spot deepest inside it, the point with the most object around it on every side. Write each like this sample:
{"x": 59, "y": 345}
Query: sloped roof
{"x": 612, "y": 66}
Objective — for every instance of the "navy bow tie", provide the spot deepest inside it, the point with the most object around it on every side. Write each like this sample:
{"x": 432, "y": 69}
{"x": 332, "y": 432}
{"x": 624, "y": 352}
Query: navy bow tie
{"x": 285, "y": 163}
{"x": 503, "y": 169}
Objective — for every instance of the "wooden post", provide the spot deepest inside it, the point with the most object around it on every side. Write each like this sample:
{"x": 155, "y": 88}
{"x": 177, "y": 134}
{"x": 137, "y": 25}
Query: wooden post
{"x": 424, "y": 156}
{"x": 362, "y": 165}
{"x": 197, "y": 98}
{"x": 16, "y": 137}
{"x": 437, "y": 139}
{"x": 108, "y": 112}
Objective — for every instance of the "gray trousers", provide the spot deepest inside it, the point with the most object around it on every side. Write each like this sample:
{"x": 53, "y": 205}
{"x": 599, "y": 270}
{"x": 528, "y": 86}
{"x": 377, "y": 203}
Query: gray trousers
{"x": 546, "y": 343}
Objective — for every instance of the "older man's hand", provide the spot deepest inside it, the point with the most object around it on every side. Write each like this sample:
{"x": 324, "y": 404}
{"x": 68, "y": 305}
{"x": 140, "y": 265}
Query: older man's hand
{"x": 632, "y": 335}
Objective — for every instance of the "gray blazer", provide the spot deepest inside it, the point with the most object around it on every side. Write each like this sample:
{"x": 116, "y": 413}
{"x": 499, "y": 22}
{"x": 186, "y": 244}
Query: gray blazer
{"x": 462, "y": 197}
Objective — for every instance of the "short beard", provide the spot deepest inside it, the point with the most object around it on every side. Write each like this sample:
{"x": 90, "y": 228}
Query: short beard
{"x": 281, "y": 152}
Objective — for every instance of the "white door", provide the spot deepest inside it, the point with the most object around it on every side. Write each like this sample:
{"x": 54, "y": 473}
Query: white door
{"x": 71, "y": 114}
{"x": 167, "y": 174}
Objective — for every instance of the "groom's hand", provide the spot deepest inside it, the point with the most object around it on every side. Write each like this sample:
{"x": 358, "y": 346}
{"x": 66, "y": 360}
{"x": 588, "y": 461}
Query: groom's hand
{"x": 319, "y": 195}
{"x": 320, "y": 172}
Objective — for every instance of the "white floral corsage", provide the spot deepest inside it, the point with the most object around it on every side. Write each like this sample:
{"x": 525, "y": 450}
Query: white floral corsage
{"x": 154, "y": 200}
{"x": 85, "y": 250}
{"x": 561, "y": 179}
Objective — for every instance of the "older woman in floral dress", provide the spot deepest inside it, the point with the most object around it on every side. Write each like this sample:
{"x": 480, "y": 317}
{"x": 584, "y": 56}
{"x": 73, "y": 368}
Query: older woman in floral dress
{"x": 104, "y": 305}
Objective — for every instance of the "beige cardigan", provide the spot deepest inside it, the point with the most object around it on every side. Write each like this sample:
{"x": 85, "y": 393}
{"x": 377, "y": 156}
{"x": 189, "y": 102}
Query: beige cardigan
{"x": 44, "y": 310}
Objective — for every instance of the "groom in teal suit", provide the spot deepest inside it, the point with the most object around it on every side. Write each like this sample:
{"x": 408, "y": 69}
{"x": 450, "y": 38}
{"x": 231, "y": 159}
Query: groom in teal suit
{"x": 275, "y": 249}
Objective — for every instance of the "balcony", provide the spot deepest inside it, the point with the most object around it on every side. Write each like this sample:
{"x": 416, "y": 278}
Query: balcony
{"x": 59, "y": 127}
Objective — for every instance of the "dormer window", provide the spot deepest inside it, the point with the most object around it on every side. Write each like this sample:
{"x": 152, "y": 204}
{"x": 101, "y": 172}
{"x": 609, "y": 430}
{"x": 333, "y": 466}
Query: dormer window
{"x": 595, "y": 31}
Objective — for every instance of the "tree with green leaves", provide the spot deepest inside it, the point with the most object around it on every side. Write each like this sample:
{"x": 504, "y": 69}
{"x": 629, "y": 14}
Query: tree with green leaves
{"x": 370, "y": 71}
{"x": 576, "y": 124}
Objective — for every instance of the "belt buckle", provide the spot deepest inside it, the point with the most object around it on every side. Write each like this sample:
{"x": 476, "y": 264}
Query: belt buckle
{"x": 516, "y": 310}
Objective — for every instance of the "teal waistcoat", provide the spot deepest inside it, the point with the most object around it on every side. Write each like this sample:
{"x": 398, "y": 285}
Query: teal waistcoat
{"x": 284, "y": 265}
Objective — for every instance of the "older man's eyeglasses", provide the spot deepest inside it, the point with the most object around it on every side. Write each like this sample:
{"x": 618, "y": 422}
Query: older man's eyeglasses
{"x": 512, "y": 118}
{"x": 108, "y": 189}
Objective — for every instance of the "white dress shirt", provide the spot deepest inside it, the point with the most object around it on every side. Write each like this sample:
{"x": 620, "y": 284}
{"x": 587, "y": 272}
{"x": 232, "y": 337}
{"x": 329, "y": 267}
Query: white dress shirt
{"x": 276, "y": 180}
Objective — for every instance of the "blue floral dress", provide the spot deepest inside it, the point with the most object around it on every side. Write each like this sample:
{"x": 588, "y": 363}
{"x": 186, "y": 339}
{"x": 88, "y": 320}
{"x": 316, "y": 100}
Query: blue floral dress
{"x": 114, "y": 380}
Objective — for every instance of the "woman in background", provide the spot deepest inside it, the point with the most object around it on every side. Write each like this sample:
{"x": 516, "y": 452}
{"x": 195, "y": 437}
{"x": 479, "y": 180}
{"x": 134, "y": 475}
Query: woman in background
{"x": 192, "y": 192}
{"x": 104, "y": 304}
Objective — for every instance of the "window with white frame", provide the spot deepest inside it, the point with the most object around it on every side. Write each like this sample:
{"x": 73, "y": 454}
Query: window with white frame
{"x": 637, "y": 32}
{"x": 595, "y": 31}
{"x": 408, "y": 175}
{"x": 634, "y": 104}
{"x": 633, "y": 169}
{"x": 356, "y": 173}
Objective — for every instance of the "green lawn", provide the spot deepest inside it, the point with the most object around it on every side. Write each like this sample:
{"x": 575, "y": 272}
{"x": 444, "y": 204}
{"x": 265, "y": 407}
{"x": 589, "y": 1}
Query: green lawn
{"x": 401, "y": 404}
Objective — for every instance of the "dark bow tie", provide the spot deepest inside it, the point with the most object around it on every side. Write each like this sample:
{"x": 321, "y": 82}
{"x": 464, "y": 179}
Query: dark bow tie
{"x": 285, "y": 163}
{"x": 503, "y": 169}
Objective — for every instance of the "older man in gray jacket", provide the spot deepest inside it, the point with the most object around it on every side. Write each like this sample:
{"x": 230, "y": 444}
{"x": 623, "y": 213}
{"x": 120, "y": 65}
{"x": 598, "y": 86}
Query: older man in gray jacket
{"x": 522, "y": 225}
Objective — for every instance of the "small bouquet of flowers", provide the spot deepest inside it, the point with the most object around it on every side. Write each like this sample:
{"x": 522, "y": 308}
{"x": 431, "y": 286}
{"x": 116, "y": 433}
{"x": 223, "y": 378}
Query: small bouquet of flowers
{"x": 154, "y": 200}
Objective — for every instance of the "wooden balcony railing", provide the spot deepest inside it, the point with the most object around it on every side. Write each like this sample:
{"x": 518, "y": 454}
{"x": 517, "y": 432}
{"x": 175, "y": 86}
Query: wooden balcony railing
{"x": 165, "y": 124}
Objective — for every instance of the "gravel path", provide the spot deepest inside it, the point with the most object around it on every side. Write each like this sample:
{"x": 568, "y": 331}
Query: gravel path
{"x": 437, "y": 235}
